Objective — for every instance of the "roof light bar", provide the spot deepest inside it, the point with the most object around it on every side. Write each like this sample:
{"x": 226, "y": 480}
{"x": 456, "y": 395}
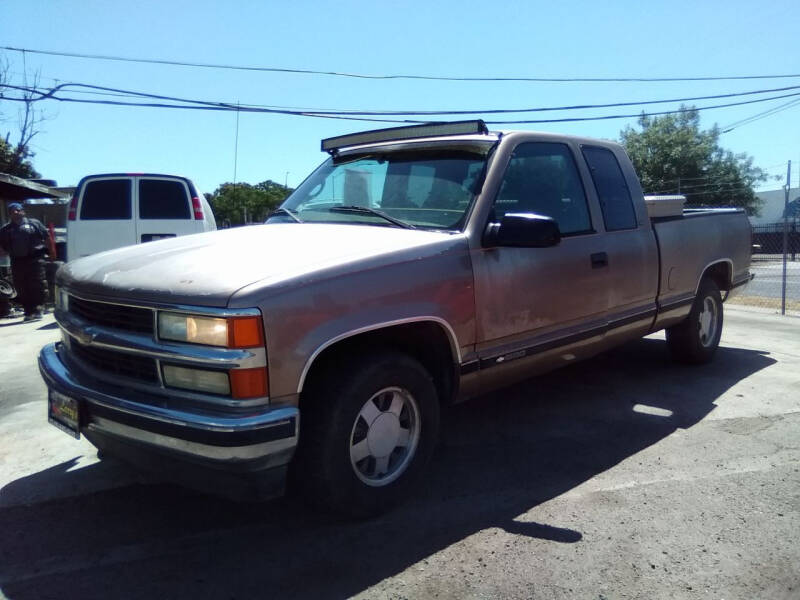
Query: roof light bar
{"x": 404, "y": 133}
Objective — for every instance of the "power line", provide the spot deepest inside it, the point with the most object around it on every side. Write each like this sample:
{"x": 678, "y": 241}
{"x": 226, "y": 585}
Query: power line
{"x": 718, "y": 180}
{"x": 397, "y": 76}
{"x": 761, "y": 115}
{"x": 781, "y": 165}
{"x": 642, "y": 114}
{"x": 345, "y": 114}
{"x": 726, "y": 129}
{"x": 699, "y": 187}
{"x": 723, "y": 191}
{"x": 717, "y": 188}
{"x": 186, "y": 105}
{"x": 694, "y": 191}
{"x": 682, "y": 179}
{"x": 101, "y": 90}
{"x": 711, "y": 181}
{"x": 720, "y": 189}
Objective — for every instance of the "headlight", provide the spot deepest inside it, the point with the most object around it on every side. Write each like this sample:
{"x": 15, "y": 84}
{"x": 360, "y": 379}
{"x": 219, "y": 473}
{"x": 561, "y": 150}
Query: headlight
{"x": 201, "y": 380}
{"x": 231, "y": 332}
{"x": 211, "y": 331}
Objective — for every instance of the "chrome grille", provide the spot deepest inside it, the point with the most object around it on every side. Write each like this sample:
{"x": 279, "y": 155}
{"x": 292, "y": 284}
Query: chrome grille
{"x": 116, "y": 363}
{"x": 128, "y": 318}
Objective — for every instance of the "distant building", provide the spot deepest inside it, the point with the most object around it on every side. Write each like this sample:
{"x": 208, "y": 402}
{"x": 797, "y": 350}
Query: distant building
{"x": 41, "y": 198}
{"x": 773, "y": 205}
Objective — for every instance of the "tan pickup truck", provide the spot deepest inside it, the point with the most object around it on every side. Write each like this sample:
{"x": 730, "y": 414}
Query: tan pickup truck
{"x": 416, "y": 267}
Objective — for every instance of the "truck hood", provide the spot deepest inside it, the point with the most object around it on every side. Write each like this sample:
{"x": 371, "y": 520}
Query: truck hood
{"x": 206, "y": 269}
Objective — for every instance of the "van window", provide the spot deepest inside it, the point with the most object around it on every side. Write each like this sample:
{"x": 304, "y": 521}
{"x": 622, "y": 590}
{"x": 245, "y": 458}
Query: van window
{"x": 106, "y": 200}
{"x": 612, "y": 189}
{"x": 163, "y": 199}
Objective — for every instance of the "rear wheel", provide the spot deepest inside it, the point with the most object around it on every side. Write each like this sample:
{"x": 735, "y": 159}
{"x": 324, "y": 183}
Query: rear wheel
{"x": 695, "y": 340}
{"x": 366, "y": 435}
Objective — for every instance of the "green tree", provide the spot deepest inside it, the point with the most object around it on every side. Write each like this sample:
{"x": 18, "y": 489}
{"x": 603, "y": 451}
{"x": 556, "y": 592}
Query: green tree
{"x": 15, "y": 160}
{"x": 232, "y": 202}
{"x": 672, "y": 155}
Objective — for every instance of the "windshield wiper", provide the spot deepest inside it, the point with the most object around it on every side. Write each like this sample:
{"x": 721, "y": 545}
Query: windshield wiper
{"x": 371, "y": 211}
{"x": 285, "y": 211}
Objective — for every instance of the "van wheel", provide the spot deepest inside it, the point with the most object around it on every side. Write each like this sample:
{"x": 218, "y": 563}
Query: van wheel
{"x": 695, "y": 339}
{"x": 366, "y": 434}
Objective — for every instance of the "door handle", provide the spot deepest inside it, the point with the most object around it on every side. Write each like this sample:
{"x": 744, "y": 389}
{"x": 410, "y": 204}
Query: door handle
{"x": 599, "y": 260}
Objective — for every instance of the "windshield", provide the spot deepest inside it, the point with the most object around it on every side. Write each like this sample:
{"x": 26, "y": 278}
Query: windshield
{"x": 427, "y": 189}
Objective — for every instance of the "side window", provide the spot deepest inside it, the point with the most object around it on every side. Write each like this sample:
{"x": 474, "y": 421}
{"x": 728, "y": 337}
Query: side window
{"x": 163, "y": 199}
{"x": 612, "y": 189}
{"x": 542, "y": 178}
{"x": 106, "y": 200}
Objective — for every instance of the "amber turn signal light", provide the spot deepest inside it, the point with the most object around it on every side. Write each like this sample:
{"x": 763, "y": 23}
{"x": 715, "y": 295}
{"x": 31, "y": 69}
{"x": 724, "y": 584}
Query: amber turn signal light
{"x": 245, "y": 332}
{"x": 249, "y": 383}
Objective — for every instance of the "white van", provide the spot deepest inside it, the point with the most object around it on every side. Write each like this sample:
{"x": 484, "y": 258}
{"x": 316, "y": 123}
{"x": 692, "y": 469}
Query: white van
{"x": 120, "y": 209}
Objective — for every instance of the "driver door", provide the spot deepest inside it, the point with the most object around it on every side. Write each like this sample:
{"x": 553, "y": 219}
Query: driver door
{"x": 536, "y": 300}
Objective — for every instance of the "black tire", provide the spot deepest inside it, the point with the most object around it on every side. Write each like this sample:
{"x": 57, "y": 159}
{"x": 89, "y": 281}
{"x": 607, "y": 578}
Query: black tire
{"x": 7, "y": 291}
{"x": 695, "y": 339}
{"x": 399, "y": 398}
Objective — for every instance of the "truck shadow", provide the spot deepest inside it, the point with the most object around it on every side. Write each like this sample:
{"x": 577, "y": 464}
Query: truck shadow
{"x": 501, "y": 455}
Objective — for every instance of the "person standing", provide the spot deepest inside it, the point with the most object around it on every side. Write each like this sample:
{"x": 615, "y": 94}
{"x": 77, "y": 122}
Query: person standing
{"x": 25, "y": 240}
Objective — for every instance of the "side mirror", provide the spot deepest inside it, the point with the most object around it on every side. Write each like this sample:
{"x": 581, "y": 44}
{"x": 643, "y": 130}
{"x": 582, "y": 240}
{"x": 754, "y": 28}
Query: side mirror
{"x": 523, "y": 230}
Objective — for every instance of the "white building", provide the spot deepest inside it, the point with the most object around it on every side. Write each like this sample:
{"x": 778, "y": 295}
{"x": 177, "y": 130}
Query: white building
{"x": 773, "y": 203}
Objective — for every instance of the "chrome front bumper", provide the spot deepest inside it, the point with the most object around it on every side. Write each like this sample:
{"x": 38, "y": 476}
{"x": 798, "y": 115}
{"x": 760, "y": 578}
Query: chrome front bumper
{"x": 262, "y": 438}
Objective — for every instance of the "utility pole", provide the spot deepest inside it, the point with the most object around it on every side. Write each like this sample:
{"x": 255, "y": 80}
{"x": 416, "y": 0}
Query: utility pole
{"x": 785, "y": 234}
{"x": 236, "y": 161}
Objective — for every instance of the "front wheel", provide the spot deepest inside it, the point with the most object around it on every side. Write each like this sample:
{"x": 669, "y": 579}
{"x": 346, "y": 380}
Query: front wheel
{"x": 366, "y": 433}
{"x": 695, "y": 339}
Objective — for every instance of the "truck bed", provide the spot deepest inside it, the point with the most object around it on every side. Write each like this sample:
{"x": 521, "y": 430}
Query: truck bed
{"x": 689, "y": 243}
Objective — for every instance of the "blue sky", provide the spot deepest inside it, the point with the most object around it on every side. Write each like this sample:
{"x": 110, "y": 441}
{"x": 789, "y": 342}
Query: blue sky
{"x": 465, "y": 38}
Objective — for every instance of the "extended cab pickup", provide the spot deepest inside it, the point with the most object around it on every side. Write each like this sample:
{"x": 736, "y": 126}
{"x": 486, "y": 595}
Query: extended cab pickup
{"x": 416, "y": 267}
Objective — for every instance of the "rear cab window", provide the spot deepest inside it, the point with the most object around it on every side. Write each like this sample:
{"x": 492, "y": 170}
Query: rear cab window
{"x": 163, "y": 199}
{"x": 612, "y": 189}
{"x": 106, "y": 200}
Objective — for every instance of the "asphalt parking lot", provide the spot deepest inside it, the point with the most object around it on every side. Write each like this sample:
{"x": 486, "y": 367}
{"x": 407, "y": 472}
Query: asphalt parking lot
{"x": 622, "y": 477}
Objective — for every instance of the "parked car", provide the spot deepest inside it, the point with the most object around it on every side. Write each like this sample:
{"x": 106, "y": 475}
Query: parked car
{"x": 414, "y": 268}
{"x": 118, "y": 209}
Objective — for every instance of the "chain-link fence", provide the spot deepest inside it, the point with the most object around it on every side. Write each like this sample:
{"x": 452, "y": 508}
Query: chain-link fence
{"x": 776, "y": 265}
